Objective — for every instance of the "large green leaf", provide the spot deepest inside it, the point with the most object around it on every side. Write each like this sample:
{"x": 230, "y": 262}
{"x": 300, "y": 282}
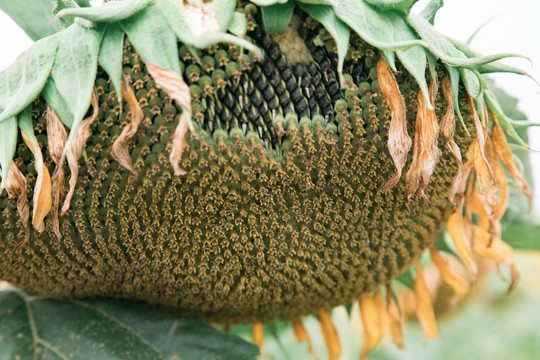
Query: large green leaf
{"x": 337, "y": 28}
{"x": 31, "y": 327}
{"x": 399, "y": 5}
{"x": 108, "y": 12}
{"x": 22, "y": 82}
{"x": 276, "y": 17}
{"x": 153, "y": 39}
{"x": 431, "y": 10}
{"x": 34, "y": 17}
{"x": 8, "y": 144}
{"x": 74, "y": 70}
{"x": 110, "y": 55}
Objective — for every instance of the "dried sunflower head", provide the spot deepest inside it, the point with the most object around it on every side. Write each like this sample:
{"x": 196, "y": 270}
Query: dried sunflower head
{"x": 302, "y": 163}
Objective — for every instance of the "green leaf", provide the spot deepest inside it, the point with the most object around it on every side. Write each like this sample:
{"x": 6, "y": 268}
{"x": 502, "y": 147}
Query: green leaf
{"x": 431, "y": 10}
{"x": 107, "y": 329}
{"x": 440, "y": 46}
{"x": 74, "y": 70}
{"x": 24, "y": 120}
{"x": 238, "y": 25}
{"x": 21, "y": 83}
{"x": 110, "y": 55}
{"x": 385, "y": 30}
{"x": 224, "y": 13}
{"x": 523, "y": 237}
{"x": 34, "y": 17}
{"x": 337, "y": 28}
{"x": 399, "y": 5}
{"x": 268, "y": 2}
{"x": 390, "y": 57}
{"x": 172, "y": 11}
{"x": 277, "y": 17}
{"x": 108, "y": 12}
{"x": 506, "y": 123}
{"x": 471, "y": 81}
{"x": 8, "y": 145}
{"x": 56, "y": 102}
{"x": 407, "y": 278}
{"x": 153, "y": 39}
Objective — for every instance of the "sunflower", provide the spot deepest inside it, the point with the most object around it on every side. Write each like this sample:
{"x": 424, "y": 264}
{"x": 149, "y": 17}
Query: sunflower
{"x": 242, "y": 161}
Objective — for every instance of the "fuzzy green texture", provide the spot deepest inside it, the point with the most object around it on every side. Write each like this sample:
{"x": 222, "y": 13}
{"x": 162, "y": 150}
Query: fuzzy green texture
{"x": 274, "y": 218}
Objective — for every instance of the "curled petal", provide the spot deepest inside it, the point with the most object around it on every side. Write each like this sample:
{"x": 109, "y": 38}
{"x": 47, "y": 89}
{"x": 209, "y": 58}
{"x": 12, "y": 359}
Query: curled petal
{"x": 399, "y": 141}
{"x": 505, "y": 155}
{"x": 447, "y": 128}
{"x": 119, "y": 150}
{"x": 424, "y": 305}
{"x": 426, "y": 152}
{"x": 456, "y": 229}
{"x": 459, "y": 285}
{"x": 301, "y": 334}
{"x": 56, "y": 138}
{"x": 330, "y": 335}
{"x": 74, "y": 152}
{"x": 42, "y": 190}
{"x": 371, "y": 319}
{"x": 174, "y": 85}
{"x": 16, "y": 189}
{"x": 394, "y": 318}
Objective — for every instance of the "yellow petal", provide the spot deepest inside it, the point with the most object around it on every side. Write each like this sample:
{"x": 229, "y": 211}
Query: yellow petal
{"x": 424, "y": 306}
{"x": 456, "y": 229}
{"x": 399, "y": 141}
{"x": 458, "y": 284}
{"x": 394, "y": 318}
{"x": 42, "y": 190}
{"x": 505, "y": 155}
{"x": 175, "y": 86}
{"x": 447, "y": 128}
{"x": 75, "y": 151}
{"x": 119, "y": 150}
{"x": 257, "y": 334}
{"x": 330, "y": 335}
{"x": 371, "y": 320}
{"x": 426, "y": 151}
{"x": 301, "y": 334}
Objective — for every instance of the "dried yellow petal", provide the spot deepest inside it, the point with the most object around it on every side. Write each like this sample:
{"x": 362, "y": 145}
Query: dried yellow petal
{"x": 399, "y": 141}
{"x": 394, "y": 318}
{"x": 73, "y": 154}
{"x": 424, "y": 305}
{"x": 458, "y": 284}
{"x": 372, "y": 323}
{"x": 56, "y": 138}
{"x": 330, "y": 335}
{"x": 447, "y": 128}
{"x": 42, "y": 190}
{"x": 119, "y": 150}
{"x": 456, "y": 229}
{"x": 505, "y": 155}
{"x": 257, "y": 334}
{"x": 426, "y": 152}
{"x": 174, "y": 85}
{"x": 301, "y": 334}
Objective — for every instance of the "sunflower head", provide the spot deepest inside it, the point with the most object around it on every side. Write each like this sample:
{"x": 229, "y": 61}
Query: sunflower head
{"x": 245, "y": 161}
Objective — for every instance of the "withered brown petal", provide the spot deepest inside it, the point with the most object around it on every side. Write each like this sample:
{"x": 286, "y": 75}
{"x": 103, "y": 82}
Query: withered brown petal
{"x": 505, "y": 155}
{"x": 447, "y": 128}
{"x": 75, "y": 151}
{"x": 119, "y": 150}
{"x": 175, "y": 86}
{"x": 399, "y": 141}
{"x": 426, "y": 152}
{"x": 56, "y": 138}
{"x": 16, "y": 189}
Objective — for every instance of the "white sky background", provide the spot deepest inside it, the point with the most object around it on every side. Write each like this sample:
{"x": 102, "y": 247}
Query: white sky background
{"x": 514, "y": 26}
